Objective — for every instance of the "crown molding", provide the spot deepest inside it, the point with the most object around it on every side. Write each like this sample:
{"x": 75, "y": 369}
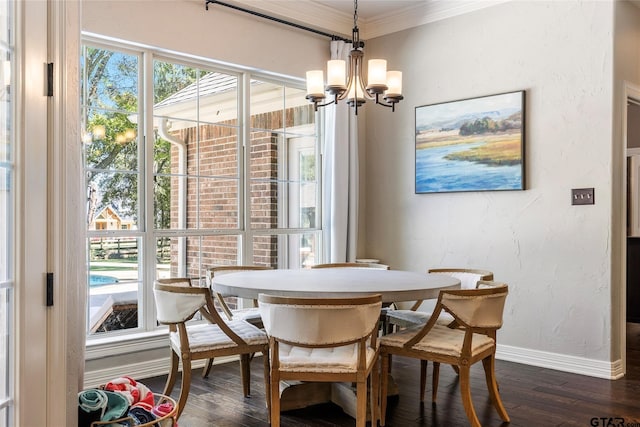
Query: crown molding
{"x": 333, "y": 21}
{"x": 420, "y": 14}
{"x": 304, "y": 12}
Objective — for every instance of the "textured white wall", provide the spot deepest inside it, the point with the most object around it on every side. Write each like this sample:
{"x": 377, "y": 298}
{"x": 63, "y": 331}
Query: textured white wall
{"x": 555, "y": 257}
{"x": 220, "y": 33}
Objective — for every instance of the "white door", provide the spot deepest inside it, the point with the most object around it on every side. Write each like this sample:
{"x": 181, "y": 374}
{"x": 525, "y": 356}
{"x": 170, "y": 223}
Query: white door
{"x": 31, "y": 234}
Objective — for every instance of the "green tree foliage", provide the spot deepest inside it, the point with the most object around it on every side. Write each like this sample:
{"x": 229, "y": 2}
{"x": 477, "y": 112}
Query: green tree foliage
{"x": 110, "y": 100}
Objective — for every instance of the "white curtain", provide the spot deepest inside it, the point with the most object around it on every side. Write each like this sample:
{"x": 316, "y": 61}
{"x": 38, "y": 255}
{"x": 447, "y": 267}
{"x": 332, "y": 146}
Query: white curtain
{"x": 340, "y": 176}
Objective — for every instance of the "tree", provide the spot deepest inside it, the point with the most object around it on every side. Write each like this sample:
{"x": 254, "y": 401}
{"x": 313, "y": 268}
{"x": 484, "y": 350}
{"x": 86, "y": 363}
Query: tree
{"x": 110, "y": 102}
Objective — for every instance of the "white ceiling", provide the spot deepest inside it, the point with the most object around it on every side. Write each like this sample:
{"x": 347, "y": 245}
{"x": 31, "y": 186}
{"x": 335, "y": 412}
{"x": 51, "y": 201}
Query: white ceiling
{"x": 375, "y": 17}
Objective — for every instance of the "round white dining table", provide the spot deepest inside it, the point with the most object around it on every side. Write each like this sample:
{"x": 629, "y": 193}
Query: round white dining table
{"x": 393, "y": 285}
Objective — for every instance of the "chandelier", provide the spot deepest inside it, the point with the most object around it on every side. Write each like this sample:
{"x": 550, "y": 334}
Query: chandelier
{"x": 356, "y": 90}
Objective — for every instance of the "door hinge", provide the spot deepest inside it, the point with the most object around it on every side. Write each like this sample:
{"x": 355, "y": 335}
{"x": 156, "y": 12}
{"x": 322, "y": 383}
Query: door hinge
{"x": 50, "y": 79}
{"x": 49, "y": 289}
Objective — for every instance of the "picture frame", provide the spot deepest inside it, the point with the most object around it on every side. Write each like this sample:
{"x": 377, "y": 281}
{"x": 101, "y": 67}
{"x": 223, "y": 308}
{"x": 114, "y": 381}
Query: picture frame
{"x": 474, "y": 144}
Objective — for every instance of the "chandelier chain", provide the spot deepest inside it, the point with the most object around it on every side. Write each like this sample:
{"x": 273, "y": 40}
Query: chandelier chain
{"x": 355, "y": 13}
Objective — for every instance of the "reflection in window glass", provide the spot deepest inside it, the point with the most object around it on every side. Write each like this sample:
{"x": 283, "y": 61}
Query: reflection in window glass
{"x": 299, "y": 113}
{"x": 110, "y": 140}
{"x": 267, "y": 105}
{"x": 191, "y": 256}
{"x": 110, "y": 79}
{"x": 112, "y": 201}
{"x": 298, "y": 250}
{"x": 5, "y": 321}
{"x": 114, "y": 282}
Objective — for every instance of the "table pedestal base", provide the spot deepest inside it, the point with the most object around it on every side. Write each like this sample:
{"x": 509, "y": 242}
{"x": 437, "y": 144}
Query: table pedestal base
{"x": 298, "y": 395}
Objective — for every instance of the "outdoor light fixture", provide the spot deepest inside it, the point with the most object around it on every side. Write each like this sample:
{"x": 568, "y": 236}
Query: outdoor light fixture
{"x": 355, "y": 90}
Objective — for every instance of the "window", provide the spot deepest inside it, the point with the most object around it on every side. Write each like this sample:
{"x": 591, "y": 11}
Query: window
{"x": 191, "y": 181}
{"x": 7, "y": 224}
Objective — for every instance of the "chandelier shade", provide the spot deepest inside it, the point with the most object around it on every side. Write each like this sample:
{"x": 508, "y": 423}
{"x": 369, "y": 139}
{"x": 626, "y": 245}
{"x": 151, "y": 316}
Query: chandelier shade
{"x": 346, "y": 81}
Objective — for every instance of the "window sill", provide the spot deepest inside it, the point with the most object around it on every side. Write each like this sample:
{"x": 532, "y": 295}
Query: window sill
{"x": 97, "y": 348}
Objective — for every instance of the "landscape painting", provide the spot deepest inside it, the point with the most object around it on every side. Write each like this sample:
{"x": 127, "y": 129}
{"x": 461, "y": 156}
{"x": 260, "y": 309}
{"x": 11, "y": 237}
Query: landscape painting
{"x": 471, "y": 145}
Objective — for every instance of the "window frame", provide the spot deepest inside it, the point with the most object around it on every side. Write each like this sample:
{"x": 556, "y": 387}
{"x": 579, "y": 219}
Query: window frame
{"x": 145, "y": 336}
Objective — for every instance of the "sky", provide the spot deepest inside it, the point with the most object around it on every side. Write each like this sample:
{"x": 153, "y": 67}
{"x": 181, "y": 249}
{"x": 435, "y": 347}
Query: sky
{"x": 449, "y": 110}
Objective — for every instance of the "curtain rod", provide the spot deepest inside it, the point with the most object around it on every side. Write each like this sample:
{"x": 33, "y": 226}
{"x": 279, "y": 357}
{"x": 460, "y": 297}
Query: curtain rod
{"x": 272, "y": 18}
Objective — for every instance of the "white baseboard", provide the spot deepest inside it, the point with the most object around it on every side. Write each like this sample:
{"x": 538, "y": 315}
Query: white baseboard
{"x": 141, "y": 370}
{"x": 561, "y": 362}
{"x": 543, "y": 359}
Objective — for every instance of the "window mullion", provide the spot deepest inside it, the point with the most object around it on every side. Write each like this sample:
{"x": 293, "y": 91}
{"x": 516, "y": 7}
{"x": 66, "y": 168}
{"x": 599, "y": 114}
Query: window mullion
{"x": 245, "y": 168}
{"x": 149, "y": 246}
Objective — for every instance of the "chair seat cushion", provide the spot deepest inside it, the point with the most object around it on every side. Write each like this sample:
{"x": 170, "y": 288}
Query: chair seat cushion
{"x": 439, "y": 339}
{"x": 341, "y": 359}
{"x": 206, "y": 336}
{"x": 408, "y": 318}
{"x": 251, "y": 314}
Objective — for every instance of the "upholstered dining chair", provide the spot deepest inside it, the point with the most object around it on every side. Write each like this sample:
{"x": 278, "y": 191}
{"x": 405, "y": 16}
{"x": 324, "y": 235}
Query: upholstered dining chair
{"x": 386, "y": 307}
{"x": 402, "y": 318}
{"x": 421, "y": 310}
{"x": 478, "y": 315}
{"x": 250, "y": 314}
{"x": 324, "y": 340}
{"x": 177, "y": 301}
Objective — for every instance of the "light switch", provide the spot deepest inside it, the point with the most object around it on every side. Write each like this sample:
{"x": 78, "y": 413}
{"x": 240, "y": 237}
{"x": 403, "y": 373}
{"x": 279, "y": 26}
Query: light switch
{"x": 582, "y": 196}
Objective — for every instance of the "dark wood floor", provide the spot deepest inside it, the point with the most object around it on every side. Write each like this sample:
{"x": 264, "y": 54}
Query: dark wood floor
{"x": 533, "y": 397}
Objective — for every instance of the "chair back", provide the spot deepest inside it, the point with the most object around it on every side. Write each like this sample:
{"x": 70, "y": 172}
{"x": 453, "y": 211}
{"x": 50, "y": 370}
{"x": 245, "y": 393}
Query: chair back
{"x": 352, "y": 265}
{"x": 319, "y": 322}
{"x": 480, "y": 308}
{"x": 176, "y": 300}
{"x": 225, "y": 269}
{"x": 468, "y": 277}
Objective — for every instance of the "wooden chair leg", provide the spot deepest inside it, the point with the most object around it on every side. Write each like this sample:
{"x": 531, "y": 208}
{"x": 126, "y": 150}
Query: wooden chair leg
{"x": 267, "y": 381}
{"x": 275, "y": 399}
{"x": 245, "y": 374}
{"x": 374, "y": 394}
{"x": 384, "y": 380}
{"x": 465, "y": 392}
{"x": 361, "y": 403}
{"x": 435, "y": 380}
{"x": 185, "y": 386}
{"x": 207, "y": 368}
{"x": 490, "y": 374}
{"x": 423, "y": 378}
{"x": 173, "y": 374}
{"x": 456, "y": 369}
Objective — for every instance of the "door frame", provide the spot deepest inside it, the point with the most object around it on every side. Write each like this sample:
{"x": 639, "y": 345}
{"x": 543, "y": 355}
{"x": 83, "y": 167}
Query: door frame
{"x": 66, "y": 330}
{"x": 49, "y": 341}
{"x": 630, "y": 91}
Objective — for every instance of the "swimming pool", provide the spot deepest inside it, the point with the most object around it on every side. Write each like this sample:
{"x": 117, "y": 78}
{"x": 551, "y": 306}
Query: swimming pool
{"x": 100, "y": 280}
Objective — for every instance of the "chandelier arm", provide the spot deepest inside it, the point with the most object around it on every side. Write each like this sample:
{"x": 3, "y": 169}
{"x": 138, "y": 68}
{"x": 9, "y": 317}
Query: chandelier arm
{"x": 392, "y": 103}
{"x": 316, "y": 105}
{"x": 361, "y": 81}
{"x": 356, "y": 91}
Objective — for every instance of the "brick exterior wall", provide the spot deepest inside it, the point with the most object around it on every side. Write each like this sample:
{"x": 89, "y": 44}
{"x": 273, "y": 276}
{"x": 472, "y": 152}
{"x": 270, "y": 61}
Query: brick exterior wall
{"x": 218, "y": 197}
